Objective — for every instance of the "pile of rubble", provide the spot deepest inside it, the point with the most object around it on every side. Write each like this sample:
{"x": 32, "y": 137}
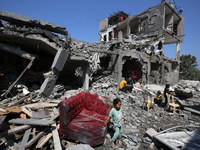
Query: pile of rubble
{"x": 137, "y": 120}
{"x": 39, "y": 116}
{"x": 187, "y": 88}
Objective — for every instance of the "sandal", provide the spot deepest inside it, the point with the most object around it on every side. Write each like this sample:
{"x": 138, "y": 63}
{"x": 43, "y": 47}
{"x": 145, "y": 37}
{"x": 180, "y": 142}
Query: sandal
{"x": 113, "y": 145}
{"x": 120, "y": 142}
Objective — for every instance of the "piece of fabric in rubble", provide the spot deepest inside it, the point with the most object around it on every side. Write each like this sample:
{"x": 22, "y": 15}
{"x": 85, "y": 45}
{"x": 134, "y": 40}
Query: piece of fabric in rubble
{"x": 79, "y": 118}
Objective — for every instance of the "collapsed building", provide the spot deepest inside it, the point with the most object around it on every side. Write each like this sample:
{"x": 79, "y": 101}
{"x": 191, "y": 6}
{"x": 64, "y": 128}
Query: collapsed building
{"x": 40, "y": 54}
{"x": 143, "y": 36}
{"x": 30, "y": 44}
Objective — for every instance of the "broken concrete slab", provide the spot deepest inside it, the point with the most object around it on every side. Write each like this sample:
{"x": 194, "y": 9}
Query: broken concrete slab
{"x": 192, "y": 110}
{"x": 183, "y": 92}
{"x": 175, "y": 140}
{"x": 58, "y": 64}
{"x": 19, "y": 19}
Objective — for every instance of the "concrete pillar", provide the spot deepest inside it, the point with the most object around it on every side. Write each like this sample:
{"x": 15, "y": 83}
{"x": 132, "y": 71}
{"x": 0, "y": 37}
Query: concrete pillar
{"x": 57, "y": 66}
{"x": 86, "y": 76}
{"x": 120, "y": 36}
{"x": 148, "y": 70}
{"x": 107, "y": 36}
{"x": 119, "y": 66}
{"x": 178, "y": 50}
{"x": 163, "y": 73}
{"x": 128, "y": 29}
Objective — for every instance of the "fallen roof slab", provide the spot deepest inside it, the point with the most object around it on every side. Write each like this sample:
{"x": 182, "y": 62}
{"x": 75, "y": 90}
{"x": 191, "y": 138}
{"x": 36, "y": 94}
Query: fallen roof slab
{"x": 180, "y": 140}
{"x": 19, "y": 19}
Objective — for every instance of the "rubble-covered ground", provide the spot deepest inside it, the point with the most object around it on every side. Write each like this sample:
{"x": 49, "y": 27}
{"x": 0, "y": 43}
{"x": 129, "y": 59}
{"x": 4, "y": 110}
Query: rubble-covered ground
{"x": 137, "y": 120}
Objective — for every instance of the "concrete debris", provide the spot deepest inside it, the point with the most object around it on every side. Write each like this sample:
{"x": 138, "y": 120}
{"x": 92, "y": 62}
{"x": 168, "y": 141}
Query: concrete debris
{"x": 180, "y": 91}
{"x": 137, "y": 121}
{"x": 186, "y": 88}
{"x": 180, "y": 140}
{"x": 39, "y": 68}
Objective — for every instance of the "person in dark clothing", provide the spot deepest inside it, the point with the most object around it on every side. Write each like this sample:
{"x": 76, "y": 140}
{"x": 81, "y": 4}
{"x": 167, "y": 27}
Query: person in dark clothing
{"x": 158, "y": 99}
{"x": 130, "y": 81}
{"x": 166, "y": 90}
{"x": 123, "y": 86}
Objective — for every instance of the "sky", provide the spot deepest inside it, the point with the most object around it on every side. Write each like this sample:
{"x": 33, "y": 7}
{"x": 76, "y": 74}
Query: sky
{"x": 81, "y": 17}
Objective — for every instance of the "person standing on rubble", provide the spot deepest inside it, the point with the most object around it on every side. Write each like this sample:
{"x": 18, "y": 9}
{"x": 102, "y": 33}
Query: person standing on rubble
{"x": 166, "y": 90}
{"x": 118, "y": 120}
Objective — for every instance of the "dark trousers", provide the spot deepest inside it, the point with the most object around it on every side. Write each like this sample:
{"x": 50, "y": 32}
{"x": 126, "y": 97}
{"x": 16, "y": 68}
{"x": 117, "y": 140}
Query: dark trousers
{"x": 127, "y": 88}
{"x": 166, "y": 100}
{"x": 157, "y": 101}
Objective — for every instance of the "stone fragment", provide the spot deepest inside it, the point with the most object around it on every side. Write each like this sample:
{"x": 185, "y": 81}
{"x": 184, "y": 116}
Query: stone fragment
{"x": 151, "y": 132}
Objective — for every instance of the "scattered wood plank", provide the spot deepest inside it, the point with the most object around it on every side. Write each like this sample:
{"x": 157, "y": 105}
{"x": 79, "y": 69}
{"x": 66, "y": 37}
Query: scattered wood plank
{"x": 56, "y": 139}
{"x": 55, "y": 110}
{"x": 14, "y": 130}
{"x": 26, "y": 111}
{"x": 13, "y": 109}
{"x": 5, "y": 102}
{"x": 19, "y": 101}
{"x": 41, "y": 105}
{"x": 37, "y": 122}
{"x": 2, "y": 119}
{"x": 54, "y": 117}
{"x": 25, "y": 139}
{"x": 44, "y": 141}
{"x": 2, "y": 141}
{"x": 41, "y": 114}
{"x": 3, "y": 110}
{"x": 33, "y": 140}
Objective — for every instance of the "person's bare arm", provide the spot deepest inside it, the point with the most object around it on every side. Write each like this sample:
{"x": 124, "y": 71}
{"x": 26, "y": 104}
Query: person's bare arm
{"x": 107, "y": 121}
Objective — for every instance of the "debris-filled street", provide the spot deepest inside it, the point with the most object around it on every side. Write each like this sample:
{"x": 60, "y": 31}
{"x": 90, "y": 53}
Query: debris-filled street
{"x": 57, "y": 92}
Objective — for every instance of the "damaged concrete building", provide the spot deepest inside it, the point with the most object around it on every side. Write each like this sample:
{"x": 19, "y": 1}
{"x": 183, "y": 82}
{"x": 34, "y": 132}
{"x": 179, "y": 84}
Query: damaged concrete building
{"x": 143, "y": 36}
{"x": 40, "y": 54}
{"x": 31, "y": 44}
